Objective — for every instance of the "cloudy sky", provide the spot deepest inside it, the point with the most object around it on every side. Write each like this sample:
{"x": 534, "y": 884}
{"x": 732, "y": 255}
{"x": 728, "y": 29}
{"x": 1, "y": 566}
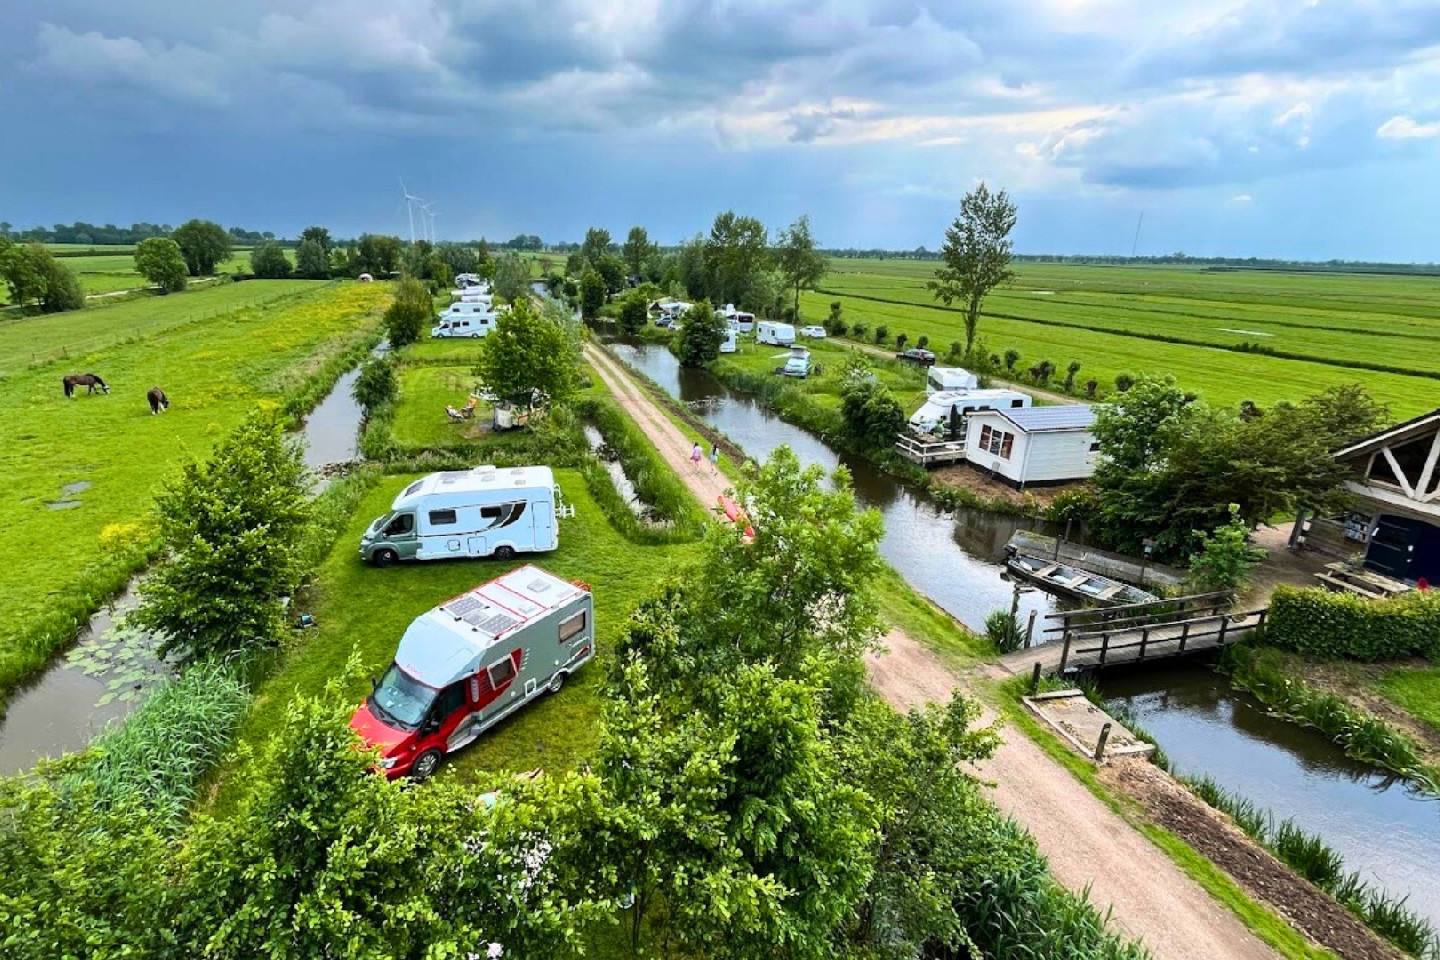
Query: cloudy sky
{"x": 1306, "y": 128}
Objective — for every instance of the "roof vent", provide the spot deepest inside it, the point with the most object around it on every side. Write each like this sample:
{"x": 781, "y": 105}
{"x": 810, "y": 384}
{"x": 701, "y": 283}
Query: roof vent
{"x": 537, "y": 586}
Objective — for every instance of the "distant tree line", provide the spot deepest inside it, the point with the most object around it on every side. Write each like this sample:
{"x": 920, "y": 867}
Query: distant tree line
{"x": 109, "y": 234}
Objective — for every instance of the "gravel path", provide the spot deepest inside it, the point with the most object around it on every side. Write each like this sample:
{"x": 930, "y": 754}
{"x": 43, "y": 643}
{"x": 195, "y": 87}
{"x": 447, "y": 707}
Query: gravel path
{"x": 1087, "y": 844}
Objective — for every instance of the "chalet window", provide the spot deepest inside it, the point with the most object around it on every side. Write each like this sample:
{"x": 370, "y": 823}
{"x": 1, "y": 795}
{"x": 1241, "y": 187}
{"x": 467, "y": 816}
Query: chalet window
{"x": 985, "y": 432}
{"x": 1006, "y": 444}
{"x": 442, "y": 518}
{"x": 502, "y": 672}
{"x": 571, "y": 626}
{"x": 1095, "y": 447}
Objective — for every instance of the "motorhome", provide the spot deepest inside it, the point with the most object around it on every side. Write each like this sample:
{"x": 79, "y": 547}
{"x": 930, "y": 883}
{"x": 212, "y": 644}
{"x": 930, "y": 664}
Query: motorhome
{"x": 463, "y": 280}
{"x": 729, "y": 344}
{"x": 797, "y": 364}
{"x": 940, "y": 379}
{"x": 745, "y": 321}
{"x": 471, "y": 662}
{"x": 473, "y": 295}
{"x": 777, "y": 334}
{"x": 480, "y": 512}
{"x": 945, "y": 413}
{"x": 668, "y": 312}
{"x": 465, "y": 320}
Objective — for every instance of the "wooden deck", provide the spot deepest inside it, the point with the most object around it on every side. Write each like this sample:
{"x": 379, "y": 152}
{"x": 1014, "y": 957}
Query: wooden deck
{"x": 1120, "y": 644}
{"x": 929, "y": 453}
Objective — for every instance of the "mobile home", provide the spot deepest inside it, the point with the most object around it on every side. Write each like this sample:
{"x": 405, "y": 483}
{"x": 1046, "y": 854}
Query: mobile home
{"x": 777, "y": 334}
{"x": 469, "y": 663}
{"x": 1033, "y": 445}
{"x": 481, "y": 512}
{"x": 941, "y": 379}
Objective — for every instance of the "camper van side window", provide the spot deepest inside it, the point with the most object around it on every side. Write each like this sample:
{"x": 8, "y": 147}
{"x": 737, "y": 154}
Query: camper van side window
{"x": 571, "y": 626}
{"x": 441, "y": 518}
{"x": 501, "y": 672}
{"x": 517, "y": 510}
{"x": 491, "y": 514}
{"x": 404, "y": 523}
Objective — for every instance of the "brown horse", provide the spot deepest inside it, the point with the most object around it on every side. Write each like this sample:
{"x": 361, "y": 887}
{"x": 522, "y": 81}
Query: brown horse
{"x": 90, "y": 380}
{"x": 158, "y": 400}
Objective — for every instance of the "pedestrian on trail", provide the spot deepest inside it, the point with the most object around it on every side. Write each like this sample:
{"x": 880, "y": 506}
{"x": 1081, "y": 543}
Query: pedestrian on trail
{"x": 695, "y": 456}
{"x": 714, "y": 456}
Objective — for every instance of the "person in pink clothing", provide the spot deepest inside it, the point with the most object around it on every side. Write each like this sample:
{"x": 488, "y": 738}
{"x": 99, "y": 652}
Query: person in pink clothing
{"x": 696, "y": 455}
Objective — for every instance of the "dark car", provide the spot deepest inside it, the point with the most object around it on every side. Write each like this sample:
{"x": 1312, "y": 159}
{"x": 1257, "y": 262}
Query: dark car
{"x": 915, "y": 355}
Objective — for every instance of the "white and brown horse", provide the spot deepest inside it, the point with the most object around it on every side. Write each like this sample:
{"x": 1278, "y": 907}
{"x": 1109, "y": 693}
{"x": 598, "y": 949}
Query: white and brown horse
{"x": 158, "y": 400}
{"x": 90, "y": 380}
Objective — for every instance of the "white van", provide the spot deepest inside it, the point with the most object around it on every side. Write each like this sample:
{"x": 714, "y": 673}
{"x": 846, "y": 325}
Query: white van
{"x": 464, "y": 320}
{"x": 482, "y": 512}
{"x": 777, "y": 334}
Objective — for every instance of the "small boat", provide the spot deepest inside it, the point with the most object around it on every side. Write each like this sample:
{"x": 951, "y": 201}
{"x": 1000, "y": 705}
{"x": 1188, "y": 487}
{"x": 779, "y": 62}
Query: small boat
{"x": 735, "y": 515}
{"x": 1075, "y": 583}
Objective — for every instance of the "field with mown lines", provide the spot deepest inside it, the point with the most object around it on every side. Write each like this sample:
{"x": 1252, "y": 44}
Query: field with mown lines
{"x": 1334, "y": 329}
{"x": 216, "y": 353}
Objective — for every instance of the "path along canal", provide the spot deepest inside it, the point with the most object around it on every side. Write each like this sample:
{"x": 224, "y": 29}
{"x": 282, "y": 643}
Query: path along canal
{"x": 1379, "y": 824}
{"x": 105, "y": 675}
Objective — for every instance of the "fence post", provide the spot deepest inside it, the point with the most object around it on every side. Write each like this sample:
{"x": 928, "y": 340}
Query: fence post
{"x": 1184, "y": 635}
{"x": 1065, "y": 653}
{"x": 1100, "y": 744}
{"x": 1104, "y": 646}
{"x": 1035, "y": 679}
{"x": 1224, "y": 625}
{"x": 1030, "y": 630}
{"x": 1144, "y": 639}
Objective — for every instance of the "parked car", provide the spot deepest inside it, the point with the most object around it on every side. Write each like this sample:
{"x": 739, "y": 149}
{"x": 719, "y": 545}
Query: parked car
{"x": 917, "y": 356}
{"x": 813, "y": 331}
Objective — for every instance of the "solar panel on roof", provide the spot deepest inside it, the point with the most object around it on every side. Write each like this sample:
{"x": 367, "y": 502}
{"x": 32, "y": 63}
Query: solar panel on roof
{"x": 460, "y": 606}
{"x": 497, "y": 624}
{"x": 450, "y": 476}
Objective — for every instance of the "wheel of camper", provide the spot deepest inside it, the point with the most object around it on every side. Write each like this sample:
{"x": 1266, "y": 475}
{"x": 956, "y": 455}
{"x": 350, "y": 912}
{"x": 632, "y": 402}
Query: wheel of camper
{"x": 556, "y": 682}
{"x": 505, "y": 552}
{"x": 384, "y": 557}
{"x": 425, "y": 765}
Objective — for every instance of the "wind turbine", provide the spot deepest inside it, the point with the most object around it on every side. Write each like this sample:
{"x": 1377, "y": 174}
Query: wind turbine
{"x": 410, "y": 201}
{"x": 427, "y": 213}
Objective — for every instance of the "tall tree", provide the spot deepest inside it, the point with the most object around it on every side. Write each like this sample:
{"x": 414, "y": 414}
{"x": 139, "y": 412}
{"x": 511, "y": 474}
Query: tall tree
{"x": 512, "y": 276}
{"x": 592, "y": 293}
{"x": 269, "y": 262}
{"x": 526, "y": 353}
{"x": 701, "y": 333}
{"x": 634, "y": 312}
{"x": 312, "y": 259}
{"x": 800, "y": 263}
{"x": 637, "y": 250}
{"x": 204, "y": 245}
{"x": 736, "y": 251}
{"x": 232, "y": 526}
{"x": 377, "y": 254}
{"x": 320, "y": 235}
{"x": 976, "y": 254}
{"x": 159, "y": 260}
{"x": 596, "y": 245}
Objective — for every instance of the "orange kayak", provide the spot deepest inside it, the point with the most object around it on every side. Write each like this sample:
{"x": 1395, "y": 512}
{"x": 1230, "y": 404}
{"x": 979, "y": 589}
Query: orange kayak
{"x": 735, "y": 515}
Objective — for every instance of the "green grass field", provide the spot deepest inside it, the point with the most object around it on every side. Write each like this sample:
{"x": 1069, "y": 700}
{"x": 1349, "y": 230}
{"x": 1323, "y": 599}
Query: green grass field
{"x": 113, "y": 268}
{"x": 1102, "y": 316}
{"x": 1416, "y": 691}
{"x": 216, "y": 353}
{"x": 906, "y": 382}
{"x": 364, "y": 610}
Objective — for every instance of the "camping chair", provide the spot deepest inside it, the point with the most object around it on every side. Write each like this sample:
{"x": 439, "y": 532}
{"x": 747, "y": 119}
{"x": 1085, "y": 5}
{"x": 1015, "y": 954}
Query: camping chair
{"x": 455, "y": 415}
{"x": 469, "y": 409}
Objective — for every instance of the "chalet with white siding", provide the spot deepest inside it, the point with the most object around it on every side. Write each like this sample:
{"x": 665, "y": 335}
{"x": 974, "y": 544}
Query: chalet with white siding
{"x": 1033, "y": 445}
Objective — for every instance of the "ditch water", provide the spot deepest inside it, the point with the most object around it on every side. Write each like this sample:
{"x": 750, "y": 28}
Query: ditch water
{"x": 109, "y": 669}
{"x": 955, "y": 559}
{"x": 613, "y": 467}
{"x": 1383, "y": 828}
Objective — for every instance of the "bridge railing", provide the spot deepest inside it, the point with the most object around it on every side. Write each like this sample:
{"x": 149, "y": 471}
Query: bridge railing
{"x": 1197, "y": 633}
{"x": 1175, "y": 609}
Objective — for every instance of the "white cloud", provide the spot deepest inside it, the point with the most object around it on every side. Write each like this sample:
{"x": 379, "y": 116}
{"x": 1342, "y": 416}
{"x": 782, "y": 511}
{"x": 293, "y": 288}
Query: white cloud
{"x": 1404, "y": 128}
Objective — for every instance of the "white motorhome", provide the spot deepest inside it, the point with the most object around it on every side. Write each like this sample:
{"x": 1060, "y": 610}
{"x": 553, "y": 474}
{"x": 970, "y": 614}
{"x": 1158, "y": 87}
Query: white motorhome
{"x": 481, "y": 512}
{"x": 777, "y": 334}
{"x": 463, "y": 280}
{"x": 473, "y": 295}
{"x": 464, "y": 320}
{"x": 729, "y": 345}
{"x": 946, "y": 413}
{"x": 940, "y": 379}
{"x": 745, "y": 321}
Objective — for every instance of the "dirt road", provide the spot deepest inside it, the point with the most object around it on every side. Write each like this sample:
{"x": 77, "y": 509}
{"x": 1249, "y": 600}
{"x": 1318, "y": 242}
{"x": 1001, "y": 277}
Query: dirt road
{"x": 1086, "y": 843}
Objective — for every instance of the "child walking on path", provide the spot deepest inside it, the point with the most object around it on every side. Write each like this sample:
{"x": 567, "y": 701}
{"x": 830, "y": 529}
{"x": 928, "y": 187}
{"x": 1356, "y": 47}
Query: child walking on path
{"x": 695, "y": 457}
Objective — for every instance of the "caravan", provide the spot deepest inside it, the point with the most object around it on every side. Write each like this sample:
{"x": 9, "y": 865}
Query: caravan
{"x": 468, "y": 513}
{"x": 469, "y": 663}
{"x": 776, "y": 334}
{"x": 729, "y": 345}
{"x": 464, "y": 320}
{"x": 941, "y": 379}
{"x": 744, "y": 321}
{"x": 946, "y": 413}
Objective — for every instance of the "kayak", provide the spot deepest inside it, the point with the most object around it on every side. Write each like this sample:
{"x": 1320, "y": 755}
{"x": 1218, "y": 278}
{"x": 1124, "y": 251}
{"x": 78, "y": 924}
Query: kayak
{"x": 735, "y": 515}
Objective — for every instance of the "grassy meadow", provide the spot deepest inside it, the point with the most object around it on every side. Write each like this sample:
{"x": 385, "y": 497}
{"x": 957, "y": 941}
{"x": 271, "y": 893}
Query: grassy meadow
{"x": 80, "y": 473}
{"x": 104, "y": 270}
{"x": 363, "y": 611}
{"x": 1330, "y": 328}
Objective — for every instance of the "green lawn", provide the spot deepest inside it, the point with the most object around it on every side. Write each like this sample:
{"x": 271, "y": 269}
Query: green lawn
{"x": 420, "y": 419}
{"x": 905, "y": 381}
{"x": 1082, "y": 313}
{"x": 363, "y": 610}
{"x": 215, "y": 353}
{"x": 1416, "y": 691}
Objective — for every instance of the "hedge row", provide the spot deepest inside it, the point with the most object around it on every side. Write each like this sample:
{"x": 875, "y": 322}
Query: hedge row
{"x": 1321, "y": 623}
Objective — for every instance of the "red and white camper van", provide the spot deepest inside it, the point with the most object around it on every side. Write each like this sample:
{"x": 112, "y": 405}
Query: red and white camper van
{"x": 472, "y": 661}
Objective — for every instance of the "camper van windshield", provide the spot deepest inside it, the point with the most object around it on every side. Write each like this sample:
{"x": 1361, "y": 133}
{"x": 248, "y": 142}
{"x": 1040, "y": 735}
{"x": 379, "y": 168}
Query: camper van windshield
{"x": 401, "y": 699}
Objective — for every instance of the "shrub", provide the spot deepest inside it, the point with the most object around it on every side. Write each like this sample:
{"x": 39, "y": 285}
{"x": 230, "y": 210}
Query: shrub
{"x": 956, "y": 350}
{"x": 634, "y": 312}
{"x": 1070, "y": 370}
{"x": 1225, "y": 557}
{"x": 1091, "y": 386}
{"x": 882, "y": 333}
{"x": 1012, "y": 356}
{"x": 923, "y": 342}
{"x": 268, "y": 261}
{"x": 376, "y": 385}
{"x": 872, "y": 414}
{"x": 1003, "y": 630}
{"x": 701, "y": 335}
{"x": 858, "y": 330}
{"x": 1317, "y": 622}
{"x": 1123, "y": 382}
{"x": 900, "y": 340}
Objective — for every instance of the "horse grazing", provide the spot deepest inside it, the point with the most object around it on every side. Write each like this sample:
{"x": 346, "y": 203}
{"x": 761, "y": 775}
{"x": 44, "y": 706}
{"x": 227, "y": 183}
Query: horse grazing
{"x": 84, "y": 380}
{"x": 158, "y": 400}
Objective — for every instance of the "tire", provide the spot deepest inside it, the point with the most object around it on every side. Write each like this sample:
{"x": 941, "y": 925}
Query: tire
{"x": 425, "y": 765}
{"x": 556, "y": 682}
{"x": 384, "y": 557}
{"x": 505, "y": 552}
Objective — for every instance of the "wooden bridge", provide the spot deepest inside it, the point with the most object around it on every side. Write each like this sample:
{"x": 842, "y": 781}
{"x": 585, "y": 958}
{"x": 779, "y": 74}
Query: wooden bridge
{"x": 1115, "y": 636}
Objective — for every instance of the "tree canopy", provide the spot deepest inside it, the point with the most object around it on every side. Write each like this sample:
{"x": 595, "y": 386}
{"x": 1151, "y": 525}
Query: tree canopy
{"x": 597, "y": 244}
{"x": 592, "y": 293}
{"x": 528, "y": 353}
{"x": 408, "y": 314}
{"x": 204, "y": 244}
{"x": 312, "y": 259}
{"x": 34, "y": 275}
{"x": 801, "y": 264}
{"x": 159, "y": 260}
{"x": 269, "y": 262}
{"x": 637, "y": 250}
{"x": 736, "y": 250}
{"x": 702, "y": 331}
{"x": 975, "y": 257}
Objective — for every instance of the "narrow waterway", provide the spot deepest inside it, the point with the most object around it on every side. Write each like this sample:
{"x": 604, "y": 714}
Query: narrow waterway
{"x": 1382, "y": 827}
{"x": 956, "y": 560}
{"x": 612, "y": 464}
{"x": 332, "y": 430}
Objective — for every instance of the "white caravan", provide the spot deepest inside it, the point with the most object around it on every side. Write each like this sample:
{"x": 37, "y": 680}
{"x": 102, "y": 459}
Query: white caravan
{"x": 728, "y": 345}
{"x": 464, "y": 320}
{"x": 746, "y": 321}
{"x": 946, "y": 413}
{"x": 776, "y": 334}
{"x": 463, "y": 280}
{"x": 940, "y": 379}
{"x": 481, "y": 512}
